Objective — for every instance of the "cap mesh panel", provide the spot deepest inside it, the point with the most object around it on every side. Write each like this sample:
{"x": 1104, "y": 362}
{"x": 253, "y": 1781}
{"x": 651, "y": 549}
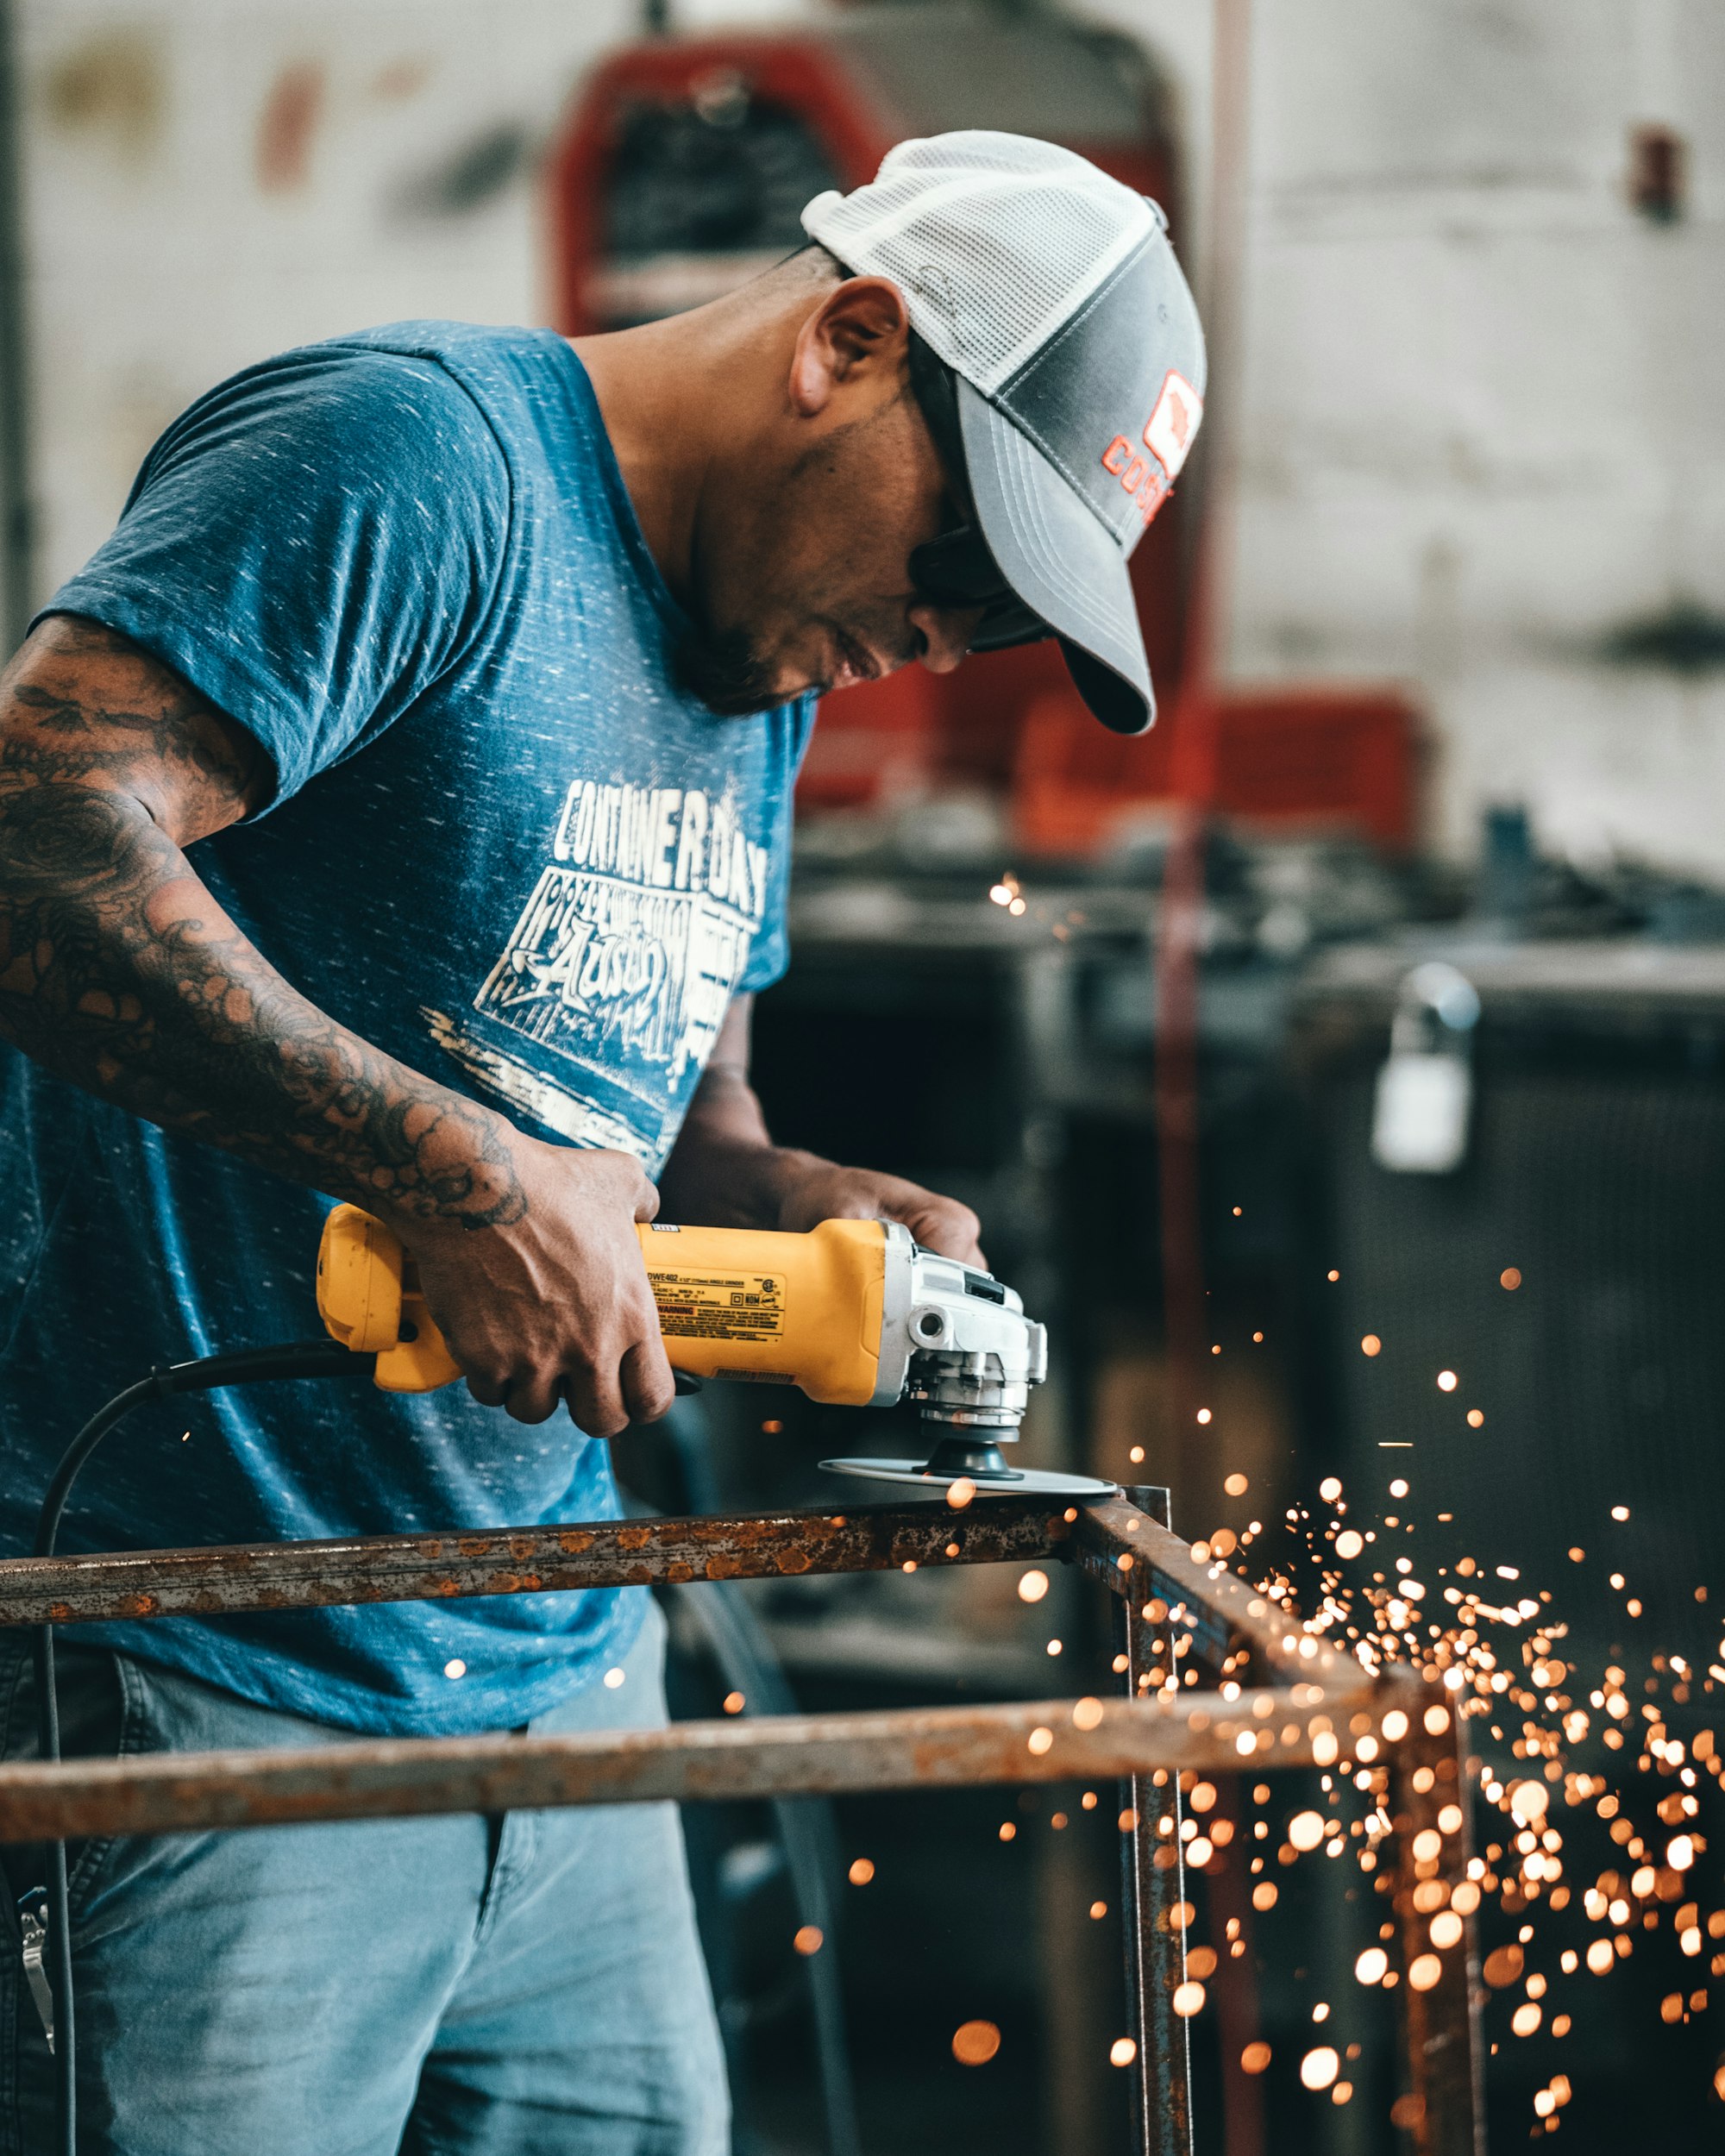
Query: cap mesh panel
{"x": 995, "y": 241}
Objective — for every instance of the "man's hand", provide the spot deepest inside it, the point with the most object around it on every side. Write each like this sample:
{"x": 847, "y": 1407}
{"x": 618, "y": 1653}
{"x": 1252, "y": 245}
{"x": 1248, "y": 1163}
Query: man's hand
{"x": 554, "y": 1304}
{"x": 816, "y": 1191}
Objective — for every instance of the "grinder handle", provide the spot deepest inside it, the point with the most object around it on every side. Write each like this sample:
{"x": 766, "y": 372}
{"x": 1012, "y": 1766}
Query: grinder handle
{"x": 369, "y": 1299}
{"x": 806, "y": 1310}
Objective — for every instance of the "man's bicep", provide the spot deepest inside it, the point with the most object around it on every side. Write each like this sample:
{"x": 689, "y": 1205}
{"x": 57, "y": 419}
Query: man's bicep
{"x": 83, "y": 705}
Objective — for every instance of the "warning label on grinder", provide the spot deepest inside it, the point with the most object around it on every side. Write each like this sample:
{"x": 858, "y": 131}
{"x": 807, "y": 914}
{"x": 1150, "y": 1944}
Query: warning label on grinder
{"x": 719, "y": 1306}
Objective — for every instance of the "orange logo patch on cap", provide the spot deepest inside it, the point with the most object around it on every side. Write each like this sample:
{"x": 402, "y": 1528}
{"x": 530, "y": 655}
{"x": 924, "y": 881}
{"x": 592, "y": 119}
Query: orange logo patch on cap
{"x": 1168, "y": 434}
{"x": 1169, "y": 431}
{"x": 1139, "y": 476}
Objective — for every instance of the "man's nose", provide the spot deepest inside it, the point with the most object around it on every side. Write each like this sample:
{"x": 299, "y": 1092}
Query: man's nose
{"x": 946, "y": 633}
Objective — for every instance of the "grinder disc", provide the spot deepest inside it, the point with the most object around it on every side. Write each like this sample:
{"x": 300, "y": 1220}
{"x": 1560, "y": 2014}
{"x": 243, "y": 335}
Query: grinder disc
{"x": 1022, "y": 1481}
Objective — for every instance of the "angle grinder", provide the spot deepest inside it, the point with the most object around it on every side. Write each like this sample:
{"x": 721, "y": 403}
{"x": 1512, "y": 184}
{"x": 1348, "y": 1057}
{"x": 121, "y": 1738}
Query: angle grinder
{"x": 854, "y": 1313}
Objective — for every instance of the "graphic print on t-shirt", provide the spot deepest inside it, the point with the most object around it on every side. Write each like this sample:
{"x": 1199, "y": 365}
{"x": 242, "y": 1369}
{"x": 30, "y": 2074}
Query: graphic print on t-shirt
{"x": 621, "y": 961}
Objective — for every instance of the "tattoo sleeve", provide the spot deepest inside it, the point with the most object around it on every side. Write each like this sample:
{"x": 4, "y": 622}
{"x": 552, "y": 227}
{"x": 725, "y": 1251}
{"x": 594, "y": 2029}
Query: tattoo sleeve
{"x": 119, "y": 971}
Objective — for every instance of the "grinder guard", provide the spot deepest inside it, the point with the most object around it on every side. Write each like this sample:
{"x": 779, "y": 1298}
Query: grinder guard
{"x": 970, "y": 1356}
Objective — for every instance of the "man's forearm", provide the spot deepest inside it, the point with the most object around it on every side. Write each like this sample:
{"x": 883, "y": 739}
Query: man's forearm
{"x": 725, "y": 1171}
{"x": 119, "y": 971}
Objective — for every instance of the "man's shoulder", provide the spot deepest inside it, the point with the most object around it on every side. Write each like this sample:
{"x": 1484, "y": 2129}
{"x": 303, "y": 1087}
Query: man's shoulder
{"x": 390, "y": 397}
{"x": 441, "y": 366}
{"x": 456, "y": 344}
{"x": 470, "y": 378}
{"x": 495, "y": 365}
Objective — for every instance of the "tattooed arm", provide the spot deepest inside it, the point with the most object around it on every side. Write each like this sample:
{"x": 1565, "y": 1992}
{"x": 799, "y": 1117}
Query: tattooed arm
{"x": 119, "y": 971}
{"x": 726, "y": 1172}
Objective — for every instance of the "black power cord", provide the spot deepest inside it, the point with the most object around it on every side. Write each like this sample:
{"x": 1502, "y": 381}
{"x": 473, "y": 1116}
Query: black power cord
{"x": 210, "y": 1373}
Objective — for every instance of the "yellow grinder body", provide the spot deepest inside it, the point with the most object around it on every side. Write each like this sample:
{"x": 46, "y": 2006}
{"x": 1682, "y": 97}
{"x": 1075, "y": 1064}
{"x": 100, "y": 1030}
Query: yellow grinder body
{"x": 803, "y": 1310}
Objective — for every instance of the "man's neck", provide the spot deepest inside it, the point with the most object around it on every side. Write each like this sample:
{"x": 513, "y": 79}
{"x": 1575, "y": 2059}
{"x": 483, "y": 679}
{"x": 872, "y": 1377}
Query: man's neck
{"x": 674, "y": 398}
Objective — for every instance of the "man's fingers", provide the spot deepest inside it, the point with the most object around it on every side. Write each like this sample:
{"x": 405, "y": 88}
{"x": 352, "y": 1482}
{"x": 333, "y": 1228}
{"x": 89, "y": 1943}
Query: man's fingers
{"x": 640, "y": 1390}
{"x": 595, "y": 1400}
{"x": 944, "y": 1226}
{"x": 940, "y": 1224}
{"x": 533, "y": 1397}
{"x": 648, "y": 1388}
{"x": 490, "y": 1391}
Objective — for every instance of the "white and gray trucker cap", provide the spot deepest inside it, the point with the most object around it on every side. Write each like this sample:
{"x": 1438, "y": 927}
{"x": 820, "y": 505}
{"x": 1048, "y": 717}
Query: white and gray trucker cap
{"x": 1052, "y": 293}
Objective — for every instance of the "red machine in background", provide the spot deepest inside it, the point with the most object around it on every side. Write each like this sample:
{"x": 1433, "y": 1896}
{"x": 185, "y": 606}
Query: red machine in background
{"x": 682, "y": 172}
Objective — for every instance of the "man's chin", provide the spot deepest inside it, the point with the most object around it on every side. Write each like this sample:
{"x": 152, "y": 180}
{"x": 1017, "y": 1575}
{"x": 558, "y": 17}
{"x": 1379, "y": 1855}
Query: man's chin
{"x": 728, "y": 675}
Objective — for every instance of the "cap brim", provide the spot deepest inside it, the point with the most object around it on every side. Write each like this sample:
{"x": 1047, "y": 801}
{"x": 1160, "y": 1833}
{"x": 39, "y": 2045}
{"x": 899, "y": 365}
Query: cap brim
{"x": 1061, "y": 560}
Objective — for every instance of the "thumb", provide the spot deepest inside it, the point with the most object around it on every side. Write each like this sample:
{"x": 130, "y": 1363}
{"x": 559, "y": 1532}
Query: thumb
{"x": 944, "y": 1225}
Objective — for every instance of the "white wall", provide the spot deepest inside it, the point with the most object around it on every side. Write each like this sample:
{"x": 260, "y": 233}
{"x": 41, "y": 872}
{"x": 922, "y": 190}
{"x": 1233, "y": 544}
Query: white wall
{"x": 160, "y": 259}
{"x": 1483, "y": 406}
{"x": 1482, "y": 417}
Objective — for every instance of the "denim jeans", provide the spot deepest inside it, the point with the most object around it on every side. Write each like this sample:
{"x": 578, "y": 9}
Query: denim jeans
{"x": 512, "y": 1986}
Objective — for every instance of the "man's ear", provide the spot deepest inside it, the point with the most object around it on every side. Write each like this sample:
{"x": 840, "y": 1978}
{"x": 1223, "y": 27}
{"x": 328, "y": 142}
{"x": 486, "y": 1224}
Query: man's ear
{"x": 856, "y": 335}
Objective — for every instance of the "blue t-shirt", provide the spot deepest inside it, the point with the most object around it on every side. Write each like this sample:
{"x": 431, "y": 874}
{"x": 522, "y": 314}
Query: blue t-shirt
{"x": 506, "y": 847}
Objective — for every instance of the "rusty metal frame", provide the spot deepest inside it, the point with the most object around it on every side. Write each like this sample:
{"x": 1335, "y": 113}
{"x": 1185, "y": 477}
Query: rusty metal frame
{"x": 1288, "y": 1693}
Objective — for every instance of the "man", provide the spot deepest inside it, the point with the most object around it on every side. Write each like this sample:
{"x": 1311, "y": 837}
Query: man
{"x": 396, "y": 810}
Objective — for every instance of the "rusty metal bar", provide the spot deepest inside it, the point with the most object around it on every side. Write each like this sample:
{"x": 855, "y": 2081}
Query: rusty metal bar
{"x": 1227, "y": 1892}
{"x": 789, "y": 1755}
{"x": 1134, "y": 1555}
{"x": 1153, "y": 1902}
{"x": 1444, "y": 2105}
{"x": 1236, "y": 1992}
{"x": 225, "y": 1580}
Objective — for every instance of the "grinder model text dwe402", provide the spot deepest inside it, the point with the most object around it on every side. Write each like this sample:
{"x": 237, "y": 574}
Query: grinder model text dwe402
{"x": 853, "y": 1313}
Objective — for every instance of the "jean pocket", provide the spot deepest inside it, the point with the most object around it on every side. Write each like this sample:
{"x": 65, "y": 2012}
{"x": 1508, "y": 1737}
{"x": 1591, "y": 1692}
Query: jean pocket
{"x": 99, "y": 1713}
{"x": 89, "y": 1694}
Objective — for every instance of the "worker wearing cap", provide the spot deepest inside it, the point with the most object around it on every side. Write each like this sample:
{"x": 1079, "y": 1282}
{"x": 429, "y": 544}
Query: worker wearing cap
{"x": 397, "y": 809}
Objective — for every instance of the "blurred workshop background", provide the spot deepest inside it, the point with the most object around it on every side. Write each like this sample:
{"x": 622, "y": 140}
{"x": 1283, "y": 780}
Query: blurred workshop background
{"x": 1337, "y": 1070}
